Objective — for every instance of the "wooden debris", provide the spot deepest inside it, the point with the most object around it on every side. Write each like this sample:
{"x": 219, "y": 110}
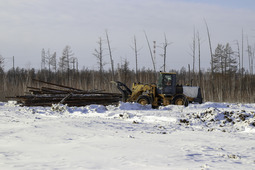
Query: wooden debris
{"x": 46, "y": 96}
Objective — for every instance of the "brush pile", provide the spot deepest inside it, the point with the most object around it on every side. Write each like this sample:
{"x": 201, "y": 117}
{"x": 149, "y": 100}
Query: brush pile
{"x": 60, "y": 94}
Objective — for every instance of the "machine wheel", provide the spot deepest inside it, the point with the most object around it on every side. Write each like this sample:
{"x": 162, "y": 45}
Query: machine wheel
{"x": 143, "y": 100}
{"x": 180, "y": 100}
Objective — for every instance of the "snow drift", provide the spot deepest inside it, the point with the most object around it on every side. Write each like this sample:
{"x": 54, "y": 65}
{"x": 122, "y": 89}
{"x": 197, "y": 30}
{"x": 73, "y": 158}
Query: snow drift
{"x": 128, "y": 136}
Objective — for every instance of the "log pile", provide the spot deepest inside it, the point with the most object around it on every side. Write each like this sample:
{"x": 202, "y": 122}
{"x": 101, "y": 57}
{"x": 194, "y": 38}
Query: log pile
{"x": 59, "y": 94}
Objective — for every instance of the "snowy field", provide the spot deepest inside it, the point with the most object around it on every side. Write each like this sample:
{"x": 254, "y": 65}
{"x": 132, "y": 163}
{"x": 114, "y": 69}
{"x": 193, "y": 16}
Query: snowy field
{"x": 128, "y": 136}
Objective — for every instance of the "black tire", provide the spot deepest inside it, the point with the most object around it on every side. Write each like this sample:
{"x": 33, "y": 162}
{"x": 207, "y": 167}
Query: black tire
{"x": 143, "y": 100}
{"x": 200, "y": 101}
{"x": 180, "y": 100}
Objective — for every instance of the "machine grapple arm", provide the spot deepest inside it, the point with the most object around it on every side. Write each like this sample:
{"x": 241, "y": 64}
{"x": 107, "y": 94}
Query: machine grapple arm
{"x": 125, "y": 91}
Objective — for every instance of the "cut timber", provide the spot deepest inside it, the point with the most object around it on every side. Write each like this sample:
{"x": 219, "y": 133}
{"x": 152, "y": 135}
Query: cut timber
{"x": 67, "y": 87}
{"x": 46, "y": 96}
{"x": 64, "y": 99}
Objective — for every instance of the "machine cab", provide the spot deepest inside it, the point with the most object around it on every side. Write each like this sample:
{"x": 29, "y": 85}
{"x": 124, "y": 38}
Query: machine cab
{"x": 167, "y": 83}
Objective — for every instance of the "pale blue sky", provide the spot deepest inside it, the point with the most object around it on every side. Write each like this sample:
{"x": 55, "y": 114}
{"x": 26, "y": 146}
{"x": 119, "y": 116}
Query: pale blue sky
{"x": 237, "y": 4}
{"x": 27, "y": 26}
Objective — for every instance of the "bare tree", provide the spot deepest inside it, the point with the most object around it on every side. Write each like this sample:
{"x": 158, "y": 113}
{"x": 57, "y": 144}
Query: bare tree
{"x": 250, "y": 56}
{"x": 210, "y": 45}
{"x": 1, "y": 63}
{"x": 99, "y": 55}
{"x": 212, "y": 66}
{"x": 43, "y": 60}
{"x": 239, "y": 56}
{"x": 65, "y": 60}
{"x": 194, "y": 51}
{"x": 53, "y": 61}
{"x": 74, "y": 63}
{"x": 154, "y": 53}
{"x": 62, "y": 64}
{"x": 48, "y": 59}
{"x": 67, "y": 54}
{"x": 136, "y": 63}
{"x": 152, "y": 59}
{"x": 239, "y": 69}
{"x": 110, "y": 53}
{"x": 136, "y": 58}
{"x": 242, "y": 54}
{"x": 13, "y": 66}
{"x": 165, "y": 44}
{"x": 124, "y": 72}
{"x": 199, "y": 57}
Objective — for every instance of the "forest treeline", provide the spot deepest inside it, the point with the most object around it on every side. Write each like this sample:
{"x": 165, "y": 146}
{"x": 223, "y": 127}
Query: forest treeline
{"x": 225, "y": 81}
{"x": 217, "y": 87}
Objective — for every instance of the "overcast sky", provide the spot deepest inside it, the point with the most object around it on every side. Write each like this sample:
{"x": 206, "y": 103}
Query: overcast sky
{"x": 27, "y": 26}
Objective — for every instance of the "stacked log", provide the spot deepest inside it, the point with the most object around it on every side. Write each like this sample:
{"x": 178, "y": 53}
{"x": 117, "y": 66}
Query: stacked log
{"x": 59, "y": 94}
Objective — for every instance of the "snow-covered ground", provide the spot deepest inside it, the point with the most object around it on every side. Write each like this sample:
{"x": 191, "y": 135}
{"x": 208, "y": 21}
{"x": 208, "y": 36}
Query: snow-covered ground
{"x": 128, "y": 136}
